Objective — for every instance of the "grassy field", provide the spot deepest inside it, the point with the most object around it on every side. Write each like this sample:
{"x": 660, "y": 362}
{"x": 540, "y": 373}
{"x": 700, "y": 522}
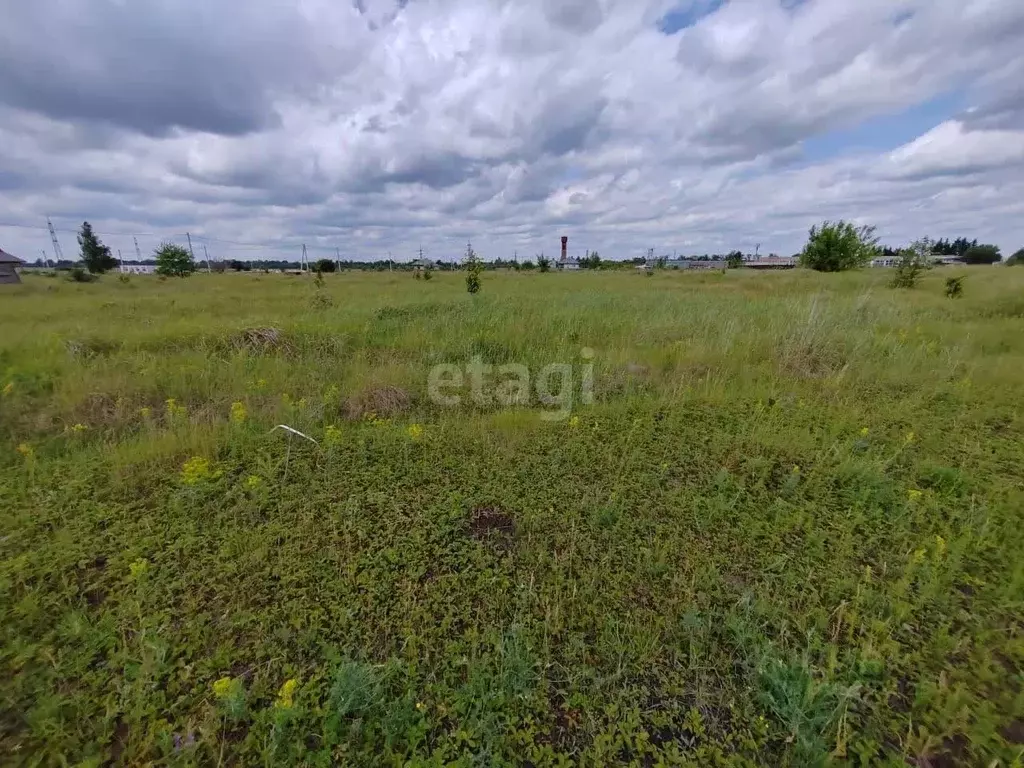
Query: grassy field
{"x": 787, "y": 531}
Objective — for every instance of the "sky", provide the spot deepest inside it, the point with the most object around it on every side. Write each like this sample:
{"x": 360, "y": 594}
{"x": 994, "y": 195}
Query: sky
{"x": 369, "y": 127}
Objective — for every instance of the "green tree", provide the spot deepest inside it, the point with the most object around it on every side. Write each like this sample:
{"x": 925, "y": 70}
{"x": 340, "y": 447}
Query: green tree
{"x": 982, "y": 254}
{"x": 174, "y": 261}
{"x": 95, "y": 255}
{"x": 474, "y": 267}
{"x": 544, "y": 263}
{"x": 913, "y": 261}
{"x": 734, "y": 260}
{"x": 839, "y": 246}
{"x": 325, "y": 265}
{"x": 1016, "y": 259}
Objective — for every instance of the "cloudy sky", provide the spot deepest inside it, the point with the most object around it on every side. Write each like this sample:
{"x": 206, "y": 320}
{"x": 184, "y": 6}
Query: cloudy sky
{"x": 385, "y": 125}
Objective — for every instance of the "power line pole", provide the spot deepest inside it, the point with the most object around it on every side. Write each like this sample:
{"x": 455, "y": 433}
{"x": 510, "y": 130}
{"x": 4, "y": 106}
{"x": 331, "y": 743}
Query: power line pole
{"x": 389, "y": 261}
{"x": 207, "y": 254}
{"x": 138, "y": 253}
{"x": 58, "y": 254}
{"x": 120, "y": 261}
{"x": 304, "y": 266}
{"x": 337, "y": 259}
{"x": 190, "y": 252}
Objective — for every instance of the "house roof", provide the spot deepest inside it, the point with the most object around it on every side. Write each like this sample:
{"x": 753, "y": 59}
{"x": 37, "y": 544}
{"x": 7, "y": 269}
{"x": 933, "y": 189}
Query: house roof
{"x": 6, "y": 258}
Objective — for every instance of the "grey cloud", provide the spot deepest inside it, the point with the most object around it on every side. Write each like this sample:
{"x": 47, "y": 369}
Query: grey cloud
{"x": 151, "y": 67}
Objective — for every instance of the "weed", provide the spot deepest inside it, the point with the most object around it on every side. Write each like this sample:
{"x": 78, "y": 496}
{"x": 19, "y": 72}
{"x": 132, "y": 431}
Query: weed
{"x": 954, "y": 287}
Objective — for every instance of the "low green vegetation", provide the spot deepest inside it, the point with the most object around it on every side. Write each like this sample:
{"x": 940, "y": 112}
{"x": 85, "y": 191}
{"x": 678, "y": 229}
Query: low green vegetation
{"x": 787, "y": 531}
{"x": 839, "y": 246}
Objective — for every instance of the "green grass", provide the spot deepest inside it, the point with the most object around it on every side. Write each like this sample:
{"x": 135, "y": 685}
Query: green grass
{"x": 788, "y": 531}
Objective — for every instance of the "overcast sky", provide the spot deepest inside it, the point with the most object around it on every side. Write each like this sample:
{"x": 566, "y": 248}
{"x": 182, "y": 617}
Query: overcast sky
{"x": 383, "y": 125}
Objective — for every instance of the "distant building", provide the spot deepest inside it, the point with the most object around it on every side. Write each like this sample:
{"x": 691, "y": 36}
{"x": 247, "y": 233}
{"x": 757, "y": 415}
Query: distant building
{"x": 771, "y": 262}
{"x": 694, "y": 264}
{"x": 138, "y": 269}
{"x": 8, "y": 268}
{"x": 421, "y": 265}
{"x": 568, "y": 264}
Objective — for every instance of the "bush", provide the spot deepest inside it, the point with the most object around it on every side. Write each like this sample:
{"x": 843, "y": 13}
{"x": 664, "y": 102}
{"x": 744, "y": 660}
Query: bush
{"x": 912, "y": 263}
{"x": 543, "y": 263}
{"x": 325, "y": 265}
{"x": 1016, "y": 259}
{"x": 954, "y": 287}
{"x": 174, "y": 261}
{"x": 734, "y": 260}
{"x": 79, "y": 275}
{"x": 474, "y": 266}
{"x": 982, "y": 254}
{"x": 428, "y": 274}
{"x": 839, "y": 246}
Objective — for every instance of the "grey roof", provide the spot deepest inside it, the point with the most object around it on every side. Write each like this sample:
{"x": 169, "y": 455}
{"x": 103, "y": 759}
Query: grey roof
{"x": 6, "y": 258}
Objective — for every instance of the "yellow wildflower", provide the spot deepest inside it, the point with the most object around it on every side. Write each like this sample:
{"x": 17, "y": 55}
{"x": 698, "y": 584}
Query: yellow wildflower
{"x": 864, "y": 431}
{"x": 796, "y": 469}
{"x": 195, "y": 470}
{"x": 26, "y": 450}
{"x": 914, "y": 495}
{"x": 909, "y": 438}
{"x": 79, "y": 428}
{"x": 138, "y": 568}
{"x": 301, "y": 404}
{"x": 332, "y": 434}
{"x": 285, "y": 695}
{"x": 415, "y": 431}
{"x": 421, "y": 706}
{"x": 8, "y": 388}
{"x": 254, "y": 482}
{"x": 145, "y": 412}
{"x": 222, "y": 688}
{"x": 238, "y": 412}
{"x": 918, "y": 557}
{"x": 173, "y": 409}
{"x": 940, "y": 545}
{"x": 574, "y": 422}
{"x": 260, "y": 384}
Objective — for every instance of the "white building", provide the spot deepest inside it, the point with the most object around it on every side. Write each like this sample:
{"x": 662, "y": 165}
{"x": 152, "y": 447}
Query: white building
{"x": 138, "y": 269}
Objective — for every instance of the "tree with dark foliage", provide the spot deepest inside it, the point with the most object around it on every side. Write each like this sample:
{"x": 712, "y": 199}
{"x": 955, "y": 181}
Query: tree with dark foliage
{"x": 95, "y": 255}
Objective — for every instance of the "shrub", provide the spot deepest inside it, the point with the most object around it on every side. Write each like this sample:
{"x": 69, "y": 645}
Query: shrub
{"x": 982, "y": 254}
{"x": 79, "y": 275}
{"x": 543, "y": 263}
{"x": 1016, "y": 259}
{"x": 474, "y": 266}
{"x": 955, "y": 287}
{"x": 428, "y": 274}
{"x": 325, "y": 265}
{"x": 913, "y": 261}
{"x": 839, "y": 246}
{"x": 174, "y": 261}
{"x": 734, "y": 260}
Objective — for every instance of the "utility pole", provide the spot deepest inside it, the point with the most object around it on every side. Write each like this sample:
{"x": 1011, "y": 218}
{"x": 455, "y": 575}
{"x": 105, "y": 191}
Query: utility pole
{"x": 120, "y": 261}
{"x": 337, "y": 259}
{"x": 304, "y": 266}
{"x": 190, "y": 252}
{"x": 207, "y": 254}
{"x": 58, "y": 254}
{"x": 138, "y": 253}
{"x": 389, "y": 261}
{"x": 46, "y": 259}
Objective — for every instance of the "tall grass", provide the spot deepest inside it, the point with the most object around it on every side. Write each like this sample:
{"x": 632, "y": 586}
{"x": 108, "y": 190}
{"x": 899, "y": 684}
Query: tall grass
{"x": 786, "y": 532}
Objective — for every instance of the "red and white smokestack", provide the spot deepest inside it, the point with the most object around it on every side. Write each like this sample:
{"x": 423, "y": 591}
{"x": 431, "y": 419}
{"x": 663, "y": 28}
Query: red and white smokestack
{"x": 565, "y": 247}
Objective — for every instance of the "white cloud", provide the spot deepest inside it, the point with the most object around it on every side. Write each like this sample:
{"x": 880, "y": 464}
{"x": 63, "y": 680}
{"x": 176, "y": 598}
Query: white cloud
{"x": 383, "y": 125}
